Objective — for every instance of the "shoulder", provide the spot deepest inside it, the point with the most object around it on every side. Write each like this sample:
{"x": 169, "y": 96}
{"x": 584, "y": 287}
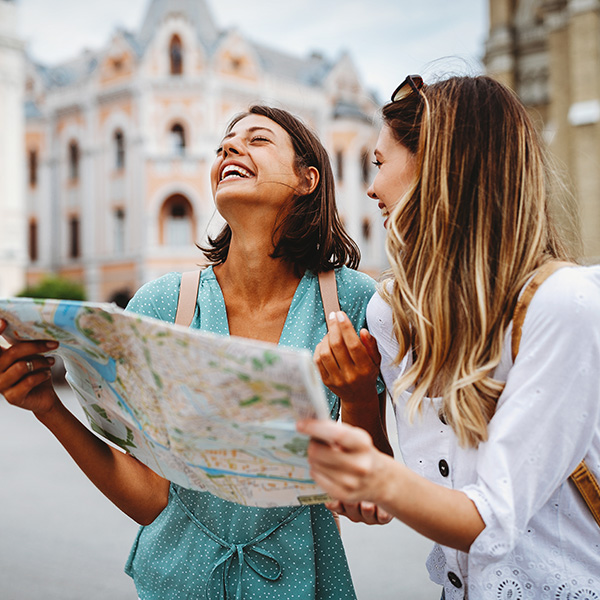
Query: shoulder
{"x": 354, "y": 285}
{"x": 157, "y": 298}
{"x": 567, "y": 303}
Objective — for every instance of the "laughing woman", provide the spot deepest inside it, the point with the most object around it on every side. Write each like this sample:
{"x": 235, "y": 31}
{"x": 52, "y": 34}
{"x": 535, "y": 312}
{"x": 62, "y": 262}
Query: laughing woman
{"x": 273, "y": 185}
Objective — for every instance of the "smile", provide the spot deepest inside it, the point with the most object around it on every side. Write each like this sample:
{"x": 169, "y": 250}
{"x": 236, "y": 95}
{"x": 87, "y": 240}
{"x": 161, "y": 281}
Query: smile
{"x": 233, "y": 171}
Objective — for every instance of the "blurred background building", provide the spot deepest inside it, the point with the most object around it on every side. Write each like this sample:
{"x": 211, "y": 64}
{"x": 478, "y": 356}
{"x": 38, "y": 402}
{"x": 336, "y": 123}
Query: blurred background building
{"x": 13, "y": 245}
{"x": 548, "y": 51}
{"x": 105, "y": 181}
{"x": 119, "y": 144}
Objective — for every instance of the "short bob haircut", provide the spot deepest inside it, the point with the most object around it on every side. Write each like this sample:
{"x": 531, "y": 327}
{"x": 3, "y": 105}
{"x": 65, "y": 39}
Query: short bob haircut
{"x": 309, "y": 233}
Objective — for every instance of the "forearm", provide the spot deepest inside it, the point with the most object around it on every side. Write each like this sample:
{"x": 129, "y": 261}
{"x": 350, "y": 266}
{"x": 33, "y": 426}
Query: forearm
{"x": 367, "y": 411}
{"x": 448, "y": 517}
{"x": 130, "y": 485}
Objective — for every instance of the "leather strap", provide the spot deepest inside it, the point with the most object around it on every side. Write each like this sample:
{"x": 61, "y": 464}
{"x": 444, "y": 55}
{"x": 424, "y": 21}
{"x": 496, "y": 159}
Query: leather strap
{"x": 582, "y": 477}
{"x": 188, "y": 294}
{"x": 329, "y": 295}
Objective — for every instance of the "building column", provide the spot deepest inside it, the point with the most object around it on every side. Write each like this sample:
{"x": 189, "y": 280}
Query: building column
{"x": 500, "y": 47}
{"x": 13, "y": 220}
{"x": 584, "y": 116}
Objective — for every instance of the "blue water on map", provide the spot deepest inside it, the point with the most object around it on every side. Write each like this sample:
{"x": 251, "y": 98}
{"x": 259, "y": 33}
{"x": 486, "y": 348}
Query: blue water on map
{"x": 65, "y": 317}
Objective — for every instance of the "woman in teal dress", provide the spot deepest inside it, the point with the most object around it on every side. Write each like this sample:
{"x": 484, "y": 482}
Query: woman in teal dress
{"x": 273, "y": 185}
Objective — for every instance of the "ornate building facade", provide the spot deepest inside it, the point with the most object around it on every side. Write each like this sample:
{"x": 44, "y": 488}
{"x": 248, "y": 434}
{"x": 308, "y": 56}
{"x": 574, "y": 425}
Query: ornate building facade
{"x": 548, "y": 51}
{"x": 119, "y": 145}
{"x": 13, "y": 255}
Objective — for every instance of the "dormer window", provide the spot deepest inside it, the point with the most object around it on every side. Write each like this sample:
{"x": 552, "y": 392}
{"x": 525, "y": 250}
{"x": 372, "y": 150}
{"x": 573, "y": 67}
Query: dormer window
{"x": 176, "y": 55}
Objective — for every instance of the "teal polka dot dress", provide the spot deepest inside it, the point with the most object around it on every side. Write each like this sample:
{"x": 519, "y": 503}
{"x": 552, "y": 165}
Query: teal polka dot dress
{"x": 203, "y": 547}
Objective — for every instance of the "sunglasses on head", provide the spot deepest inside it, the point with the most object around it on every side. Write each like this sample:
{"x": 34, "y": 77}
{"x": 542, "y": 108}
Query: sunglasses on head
{"x": 412, "y": 83}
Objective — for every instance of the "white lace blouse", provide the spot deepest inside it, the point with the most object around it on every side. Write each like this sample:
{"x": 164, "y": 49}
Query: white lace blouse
{"x": 540, "y": 540}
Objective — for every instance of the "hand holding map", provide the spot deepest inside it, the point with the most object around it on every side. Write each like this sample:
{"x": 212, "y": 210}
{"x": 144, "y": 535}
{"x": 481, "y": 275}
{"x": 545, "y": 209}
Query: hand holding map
{"x": 207, "y": 412}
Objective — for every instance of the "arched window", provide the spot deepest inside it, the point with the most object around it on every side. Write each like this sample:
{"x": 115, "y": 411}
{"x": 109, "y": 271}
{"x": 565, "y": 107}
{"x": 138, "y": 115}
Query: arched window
{"x": 176, "y": 55}
{"x": 119, "y": 148}
{"x": 177, "y": 139}
{"x": 33, "y": 168}
{"x": 74, "y": 247}
{"x": 33, "y": 240}
{"x": 73, "y": 161}
{"x": 177, "y": 221}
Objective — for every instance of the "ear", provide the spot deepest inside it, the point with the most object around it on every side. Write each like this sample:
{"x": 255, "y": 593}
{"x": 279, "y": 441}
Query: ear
{"x": 309, "y": 179}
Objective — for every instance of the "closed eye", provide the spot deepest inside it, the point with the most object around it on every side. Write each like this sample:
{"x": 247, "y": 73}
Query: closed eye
{"x": 260, "y": 138}
{"x": 377, "y": 163}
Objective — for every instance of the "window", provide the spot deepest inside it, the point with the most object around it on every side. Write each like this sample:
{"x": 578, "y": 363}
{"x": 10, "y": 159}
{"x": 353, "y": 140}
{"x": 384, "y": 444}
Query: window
{"x": 33, "y": 168}
{"x": 177, "y": 221}
{"x": 73, "y": 161}
{"x": 339, "y": 161}
{"x": 119, "y": 231}
{"x": 33, "y": 241}
{"x": 177, "y": 140}
{"x": 176, "y": 56}
{"x": 74, "y": 249}
{"x": 365, "y": 166}
{"x": 119, "y": 148}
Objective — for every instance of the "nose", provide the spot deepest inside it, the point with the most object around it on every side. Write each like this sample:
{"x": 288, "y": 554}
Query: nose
{"x": 231, "y": 146}
{"x": 371, "y": 192}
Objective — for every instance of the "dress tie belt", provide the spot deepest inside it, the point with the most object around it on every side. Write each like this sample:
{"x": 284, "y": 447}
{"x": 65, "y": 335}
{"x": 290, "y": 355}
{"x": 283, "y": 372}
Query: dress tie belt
{"x": 272, "y": 572}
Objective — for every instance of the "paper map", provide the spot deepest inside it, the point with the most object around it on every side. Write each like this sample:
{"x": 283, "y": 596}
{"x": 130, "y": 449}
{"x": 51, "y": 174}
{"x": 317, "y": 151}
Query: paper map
{"x": 208, "y": 412}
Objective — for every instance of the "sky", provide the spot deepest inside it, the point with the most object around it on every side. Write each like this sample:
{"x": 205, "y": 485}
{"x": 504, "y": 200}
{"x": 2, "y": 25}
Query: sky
{"x": 387, "y": 39}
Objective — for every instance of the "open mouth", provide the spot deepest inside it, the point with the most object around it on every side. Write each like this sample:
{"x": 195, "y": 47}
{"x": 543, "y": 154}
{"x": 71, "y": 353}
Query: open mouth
{"x": 231, "y": 171}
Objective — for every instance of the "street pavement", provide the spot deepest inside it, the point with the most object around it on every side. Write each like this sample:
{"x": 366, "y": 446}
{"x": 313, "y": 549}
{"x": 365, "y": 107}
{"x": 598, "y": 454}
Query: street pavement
{"x": 60, "y": 539}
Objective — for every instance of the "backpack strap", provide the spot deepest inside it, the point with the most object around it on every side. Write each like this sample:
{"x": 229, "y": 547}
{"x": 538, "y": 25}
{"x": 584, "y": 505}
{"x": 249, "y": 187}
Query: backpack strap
{"x": 188, "y": 294}
{"x": 582, "y": 477}
{"x": 329, "y": 295}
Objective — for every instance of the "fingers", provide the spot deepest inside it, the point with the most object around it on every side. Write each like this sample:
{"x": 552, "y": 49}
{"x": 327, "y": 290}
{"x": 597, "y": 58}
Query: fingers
{"x": 25, "y": 368}
{"x": 17, "y": 393}
{"x": 334, "y": 434}
{"x": 22, "y": 350}
{"x": 370, "y": 344}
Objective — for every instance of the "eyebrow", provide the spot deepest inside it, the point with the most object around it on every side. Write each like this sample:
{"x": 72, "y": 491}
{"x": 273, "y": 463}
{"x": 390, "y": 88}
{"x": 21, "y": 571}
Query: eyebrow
{"x": 250, "y": 130}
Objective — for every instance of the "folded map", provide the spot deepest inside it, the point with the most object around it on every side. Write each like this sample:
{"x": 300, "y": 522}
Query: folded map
{"x": 208, "y": 412}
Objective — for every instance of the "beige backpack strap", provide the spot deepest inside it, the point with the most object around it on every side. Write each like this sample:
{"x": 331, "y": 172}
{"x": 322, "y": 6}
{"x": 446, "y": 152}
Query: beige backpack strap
{"x": 582, "y": 477}
{"x": 188, "y": 294}
{"x": 524, "y": 300}
{"x": 329, "y": 295}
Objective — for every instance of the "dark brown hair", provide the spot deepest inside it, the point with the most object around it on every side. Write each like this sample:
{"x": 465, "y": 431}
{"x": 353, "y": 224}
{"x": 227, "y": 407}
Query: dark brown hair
{"x": 309, "y": 233}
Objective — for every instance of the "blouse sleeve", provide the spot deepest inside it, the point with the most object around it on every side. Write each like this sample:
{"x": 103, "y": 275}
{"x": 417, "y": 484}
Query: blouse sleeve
{"x": 158, "y": 298}
{"x": 548, "y": 413}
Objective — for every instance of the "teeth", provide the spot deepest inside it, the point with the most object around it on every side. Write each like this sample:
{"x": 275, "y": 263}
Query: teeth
{"x": 231, "y": 171}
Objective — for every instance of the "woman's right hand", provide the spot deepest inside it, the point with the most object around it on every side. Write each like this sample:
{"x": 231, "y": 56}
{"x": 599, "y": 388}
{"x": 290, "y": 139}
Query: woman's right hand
{"x": 25, "y": 378}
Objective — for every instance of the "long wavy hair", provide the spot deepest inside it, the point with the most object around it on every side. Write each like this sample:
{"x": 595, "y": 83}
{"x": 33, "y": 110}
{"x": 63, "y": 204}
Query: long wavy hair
{"x": 309, "y": 232}
{"x": 463, "y": 241}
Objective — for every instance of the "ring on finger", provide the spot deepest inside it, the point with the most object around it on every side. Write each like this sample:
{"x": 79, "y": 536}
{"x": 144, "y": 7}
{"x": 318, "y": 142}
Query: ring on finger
{"x": 29, "y": 366}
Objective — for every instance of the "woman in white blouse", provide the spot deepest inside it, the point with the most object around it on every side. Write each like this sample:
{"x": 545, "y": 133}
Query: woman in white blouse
{"x": 489, "y": 434}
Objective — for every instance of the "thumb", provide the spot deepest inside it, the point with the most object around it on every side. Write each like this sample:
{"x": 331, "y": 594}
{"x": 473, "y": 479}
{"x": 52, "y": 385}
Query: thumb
{"x": 370, "y": 344}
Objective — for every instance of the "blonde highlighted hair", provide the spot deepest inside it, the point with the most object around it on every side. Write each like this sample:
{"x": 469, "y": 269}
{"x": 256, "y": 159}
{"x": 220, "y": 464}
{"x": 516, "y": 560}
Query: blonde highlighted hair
{"x": 463, "y": 241}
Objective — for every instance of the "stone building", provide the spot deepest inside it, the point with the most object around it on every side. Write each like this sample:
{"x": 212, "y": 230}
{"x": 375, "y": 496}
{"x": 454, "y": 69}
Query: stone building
{"x": 13, "y": 245}
{"x": 119, "y": 145}
{"x": 548, "y": 51}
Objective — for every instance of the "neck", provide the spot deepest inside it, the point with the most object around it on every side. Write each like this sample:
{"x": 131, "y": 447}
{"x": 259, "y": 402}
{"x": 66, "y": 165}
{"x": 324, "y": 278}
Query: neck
{"x": 249, "y": 273}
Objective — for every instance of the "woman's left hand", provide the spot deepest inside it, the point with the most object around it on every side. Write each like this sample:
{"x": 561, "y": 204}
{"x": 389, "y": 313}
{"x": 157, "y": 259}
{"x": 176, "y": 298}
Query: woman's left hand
{"x": 360, "y": 512}
{"x": 348, "y": 363}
